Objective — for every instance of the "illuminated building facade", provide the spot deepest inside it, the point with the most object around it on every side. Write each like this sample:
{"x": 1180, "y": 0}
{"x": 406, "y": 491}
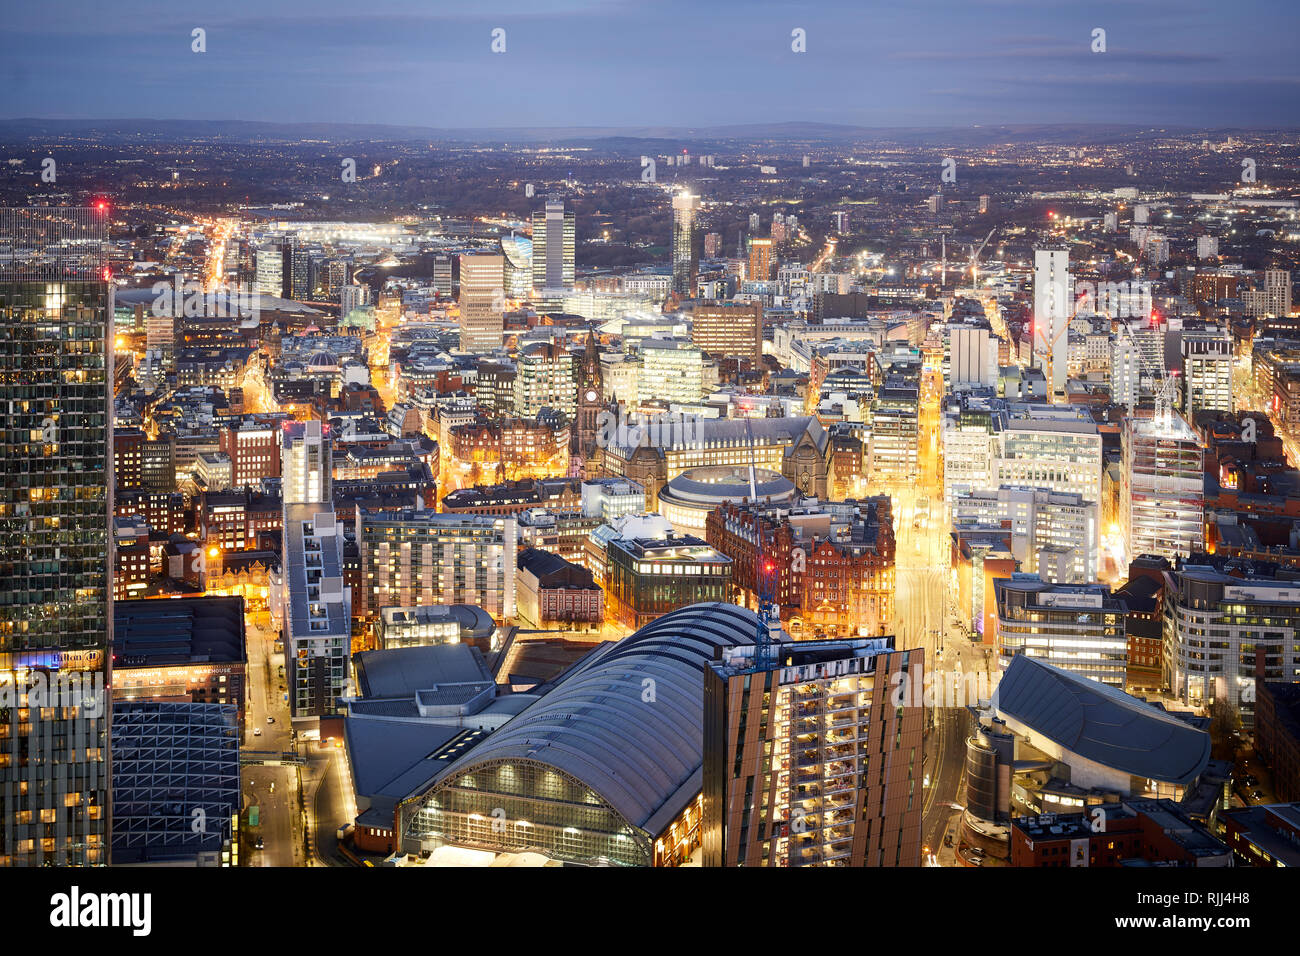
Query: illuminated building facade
{"x": 482, "y": 302}
{"x": 648, "y": 577}
{"x": 55, "y": 506}
{"x": 811, "y": 760}
{"x": 414, "y": 557}
{"x": 1162, "y": 497}
{"x": 554, "y": 246}
{"x": 186, "y": 649}
{"x": 597, "y": 770}
{"x": 685, "y": 261}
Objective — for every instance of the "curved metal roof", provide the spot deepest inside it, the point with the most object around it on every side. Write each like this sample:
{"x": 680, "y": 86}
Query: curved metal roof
{"x": 1101, "y": 723}
{"x": 642, "y": 756}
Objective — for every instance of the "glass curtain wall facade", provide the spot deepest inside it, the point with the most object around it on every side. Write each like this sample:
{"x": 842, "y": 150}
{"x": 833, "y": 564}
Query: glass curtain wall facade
{"x": 55, "y": 501}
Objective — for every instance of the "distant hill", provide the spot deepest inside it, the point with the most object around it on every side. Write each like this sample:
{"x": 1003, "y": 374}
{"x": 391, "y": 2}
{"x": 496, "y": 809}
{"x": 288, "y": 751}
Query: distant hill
{"x": 612, "y": 138}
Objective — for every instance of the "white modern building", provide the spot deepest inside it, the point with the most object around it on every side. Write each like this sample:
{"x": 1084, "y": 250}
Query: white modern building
{"x": 1053, "y": 298}
{"x": 1207, "y": 372}
{"x": 317, "y": 605}
{"x": 1162, "y": 497}
{"x": 672, "y": 371}
{"x": 1053, "y": 533}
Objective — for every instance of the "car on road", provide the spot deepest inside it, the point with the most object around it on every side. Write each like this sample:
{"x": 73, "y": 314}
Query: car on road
{"x": 260, "y": 844}
{"x": 270, "y": 720}
{"x": 1258, "y": 794}
{"x": 257, "y": 731}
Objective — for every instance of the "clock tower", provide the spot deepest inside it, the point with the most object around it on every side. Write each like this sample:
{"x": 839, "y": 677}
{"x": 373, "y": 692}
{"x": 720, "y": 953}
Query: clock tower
{"x": 590, "y": 400}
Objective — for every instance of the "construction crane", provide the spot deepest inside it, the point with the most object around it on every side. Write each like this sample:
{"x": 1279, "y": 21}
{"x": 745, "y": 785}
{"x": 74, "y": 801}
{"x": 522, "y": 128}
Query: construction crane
{"x": 974, "y": 258}
{"x": 765, "y": 574}
{"x": 1163, "y": 384}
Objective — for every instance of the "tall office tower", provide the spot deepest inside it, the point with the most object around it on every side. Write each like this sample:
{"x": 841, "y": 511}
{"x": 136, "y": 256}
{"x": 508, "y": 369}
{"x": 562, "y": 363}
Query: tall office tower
{"x": 685, "y": 263}
{"x": 518, "y": 268}
{"x": 336, "y": 277}
{"x": 1141, "y": 214}
{"x": 1158, "y": 249}
{"x": 55, "y": 506}
{"x": 812, "y": 760}
{"x": 1207, "y": 247}
{"x": 1053, "y": 296}
{"x": 268, "y": 271}
{"x": 760, "y": 259}
{"x": 442, "y": 279}
{"x": 545, "y": 379}
{"x": 352, "y": 297}
{"x": 482, "y": 302}
{"x": 1110, "y": 222}
{"x": 841, "y": 222}
{"x": 554, "y": 243}
{"x": 317, "y": 614}
{"x": 754, "y": 222}
{"x": 984, "y": 205}
{"x": 712, "y": 245}
{"x": 1162, "y": 494}
{"x": 295, "y": 270}
{"x": 729, "y": 331}
{"x": 1207, "y": 372}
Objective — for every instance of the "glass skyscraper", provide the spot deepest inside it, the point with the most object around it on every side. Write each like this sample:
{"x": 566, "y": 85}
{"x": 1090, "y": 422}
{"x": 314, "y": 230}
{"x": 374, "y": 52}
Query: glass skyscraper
{"x": 685, "y": 261}
{"x": 55, "y": 501}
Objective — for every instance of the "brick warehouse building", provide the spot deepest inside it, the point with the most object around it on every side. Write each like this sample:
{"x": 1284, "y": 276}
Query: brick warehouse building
{"x": 833, "y": 561}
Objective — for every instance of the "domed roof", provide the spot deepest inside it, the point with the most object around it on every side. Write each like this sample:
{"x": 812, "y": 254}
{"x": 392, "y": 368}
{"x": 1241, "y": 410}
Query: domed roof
{"x": 322, "y": 359}
{"x": 714, "y": 484}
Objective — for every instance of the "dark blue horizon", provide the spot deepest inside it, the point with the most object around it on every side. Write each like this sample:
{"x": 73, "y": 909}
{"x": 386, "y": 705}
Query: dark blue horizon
{"x": 588, "y": 63}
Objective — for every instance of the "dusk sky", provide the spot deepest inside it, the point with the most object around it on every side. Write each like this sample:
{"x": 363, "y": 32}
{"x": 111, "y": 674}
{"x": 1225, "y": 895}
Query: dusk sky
{"x": 669, "y": 62}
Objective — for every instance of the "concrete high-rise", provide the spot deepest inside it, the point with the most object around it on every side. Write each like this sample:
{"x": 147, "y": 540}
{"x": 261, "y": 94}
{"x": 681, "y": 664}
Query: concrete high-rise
{"x": 685, "y": 261}
{"x": 1053, "y": 297}
{"x": 482, "y": 302}
{"x": 55, "y": 506}
{"x": 729, "y": 331}
{"x": 554, "y": 246}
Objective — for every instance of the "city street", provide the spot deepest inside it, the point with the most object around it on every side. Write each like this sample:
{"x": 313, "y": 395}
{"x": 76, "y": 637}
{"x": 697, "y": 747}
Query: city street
{"x": 281, "y": 820}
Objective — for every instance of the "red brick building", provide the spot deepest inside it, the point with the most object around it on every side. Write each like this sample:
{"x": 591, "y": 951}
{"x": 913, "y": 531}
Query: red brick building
{"x": 254, "y": 451}
{"x": 1108, "y": 835}
{"x": 833, "y": 568}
